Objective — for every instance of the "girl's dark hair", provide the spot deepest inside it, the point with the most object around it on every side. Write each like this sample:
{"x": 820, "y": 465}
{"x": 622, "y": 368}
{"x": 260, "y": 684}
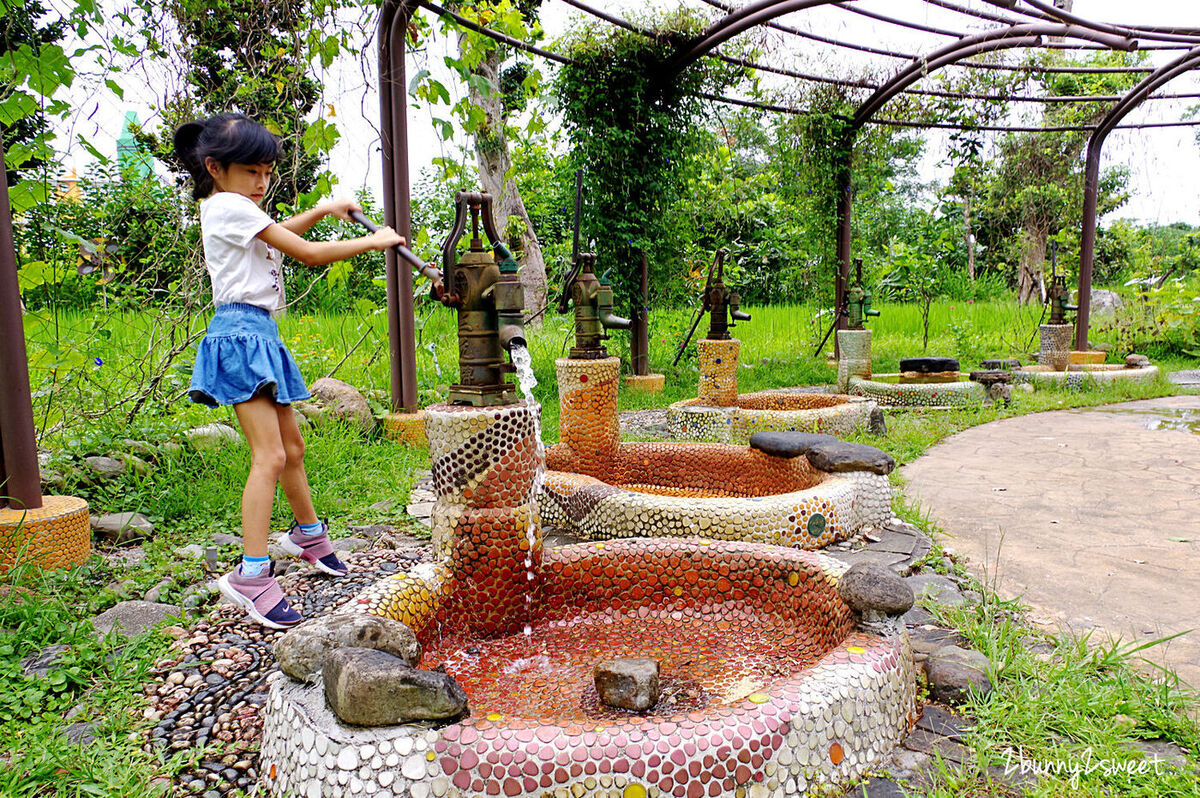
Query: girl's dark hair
{"x": 226, "y": 138}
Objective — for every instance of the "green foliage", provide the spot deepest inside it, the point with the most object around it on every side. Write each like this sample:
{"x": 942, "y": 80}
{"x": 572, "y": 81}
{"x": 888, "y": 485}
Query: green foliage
{"x": 23, "y": 124}
{"x": 121, "y": 240}
{"x": 634, "y": 135}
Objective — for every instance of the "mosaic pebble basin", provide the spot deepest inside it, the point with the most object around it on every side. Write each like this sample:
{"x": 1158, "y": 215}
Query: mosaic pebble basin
{"x": 769, "y": 688}
{"x": 888, "y": 392}
{"x": 1080, "y": 374}
{"x": 600, "y": 488}
{"x": 834, "y": 414}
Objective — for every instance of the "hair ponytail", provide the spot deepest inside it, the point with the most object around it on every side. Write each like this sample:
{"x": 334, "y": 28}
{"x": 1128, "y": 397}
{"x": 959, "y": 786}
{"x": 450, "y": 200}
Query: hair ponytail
{"x": 226, "y": 138}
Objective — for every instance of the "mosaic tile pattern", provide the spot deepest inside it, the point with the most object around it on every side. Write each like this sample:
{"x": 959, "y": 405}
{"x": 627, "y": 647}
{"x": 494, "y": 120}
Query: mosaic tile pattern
{"x": 601, "y": 488}
{"x": 1056, "y": 342}
{"x": 834, "y": 414}
{"x": 406, "y": 428}
{"x": 485, "y": 463}
{"x": 854, "y": 357}
{"x": 56, "y": 535}
{"x": 646, "y": 383}
{"x": 718, "y": 371}
{"x": 769, "y": 687}
{"x": 918, "y": 394}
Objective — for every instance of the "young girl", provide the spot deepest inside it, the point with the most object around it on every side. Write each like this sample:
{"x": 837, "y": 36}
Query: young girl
{"x": 242, "y": 360}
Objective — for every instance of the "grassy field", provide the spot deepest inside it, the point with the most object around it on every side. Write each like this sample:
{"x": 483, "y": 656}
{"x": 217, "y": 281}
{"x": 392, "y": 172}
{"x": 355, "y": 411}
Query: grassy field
{"x": 91, "y": 371}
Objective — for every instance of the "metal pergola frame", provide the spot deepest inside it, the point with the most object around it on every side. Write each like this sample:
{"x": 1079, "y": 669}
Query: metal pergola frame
{"x": 19, "y": 476}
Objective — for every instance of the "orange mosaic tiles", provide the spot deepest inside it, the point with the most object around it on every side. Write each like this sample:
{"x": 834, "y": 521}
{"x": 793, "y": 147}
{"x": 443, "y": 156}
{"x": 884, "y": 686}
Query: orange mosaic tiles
{"x": 406, "y": 428}
{"x": 587, "y": 393}
{"x": 56, "y": 535}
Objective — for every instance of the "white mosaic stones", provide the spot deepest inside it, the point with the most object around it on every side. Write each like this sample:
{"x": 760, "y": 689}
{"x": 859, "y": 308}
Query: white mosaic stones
{"x": 760, "y": 412}
{"x": 1079, "y": 375}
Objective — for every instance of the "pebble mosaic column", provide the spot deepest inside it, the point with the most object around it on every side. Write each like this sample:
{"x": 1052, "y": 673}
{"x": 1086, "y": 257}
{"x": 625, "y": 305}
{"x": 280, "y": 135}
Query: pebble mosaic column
{"x": 587, "y": 395}
{"x": 718, "y": 371}
{"x": 854, "y": 357}
{"x": 1057, "y": 340}
{"x": 485, "y": 522}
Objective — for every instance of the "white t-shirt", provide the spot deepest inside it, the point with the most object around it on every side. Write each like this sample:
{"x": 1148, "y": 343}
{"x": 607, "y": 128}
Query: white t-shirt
{"x": 242, "y": 268}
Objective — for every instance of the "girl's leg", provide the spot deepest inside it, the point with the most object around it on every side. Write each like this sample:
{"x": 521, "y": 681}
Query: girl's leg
{"x": 294, "y": 478}
{"x": 308, "y": 539}
{"x": 260, "y": 424}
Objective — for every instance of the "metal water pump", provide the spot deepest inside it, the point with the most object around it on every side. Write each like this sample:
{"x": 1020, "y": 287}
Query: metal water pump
{"x": 486, "y": 291}
{"x": 592, "y": 299}
{"x": 858, "y": 300}
{"x": 720, "y": 303}
{"x": 1058, "y": 294}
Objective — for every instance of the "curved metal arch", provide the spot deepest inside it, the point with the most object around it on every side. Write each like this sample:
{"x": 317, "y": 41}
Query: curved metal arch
{"x": 1091, "y": 177}
{"x": 1024, "y": 35}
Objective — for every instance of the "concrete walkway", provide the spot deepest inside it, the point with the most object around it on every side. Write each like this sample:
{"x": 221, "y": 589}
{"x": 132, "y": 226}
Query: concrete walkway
{"x": 1090, "y": 516}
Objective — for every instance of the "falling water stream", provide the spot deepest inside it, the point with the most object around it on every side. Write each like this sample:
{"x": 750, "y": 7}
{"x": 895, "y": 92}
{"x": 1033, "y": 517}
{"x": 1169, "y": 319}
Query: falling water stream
{"x": 523, "y": 363}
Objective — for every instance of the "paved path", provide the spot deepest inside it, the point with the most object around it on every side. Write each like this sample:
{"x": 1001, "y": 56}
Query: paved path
{"x": 1091, "y": 515}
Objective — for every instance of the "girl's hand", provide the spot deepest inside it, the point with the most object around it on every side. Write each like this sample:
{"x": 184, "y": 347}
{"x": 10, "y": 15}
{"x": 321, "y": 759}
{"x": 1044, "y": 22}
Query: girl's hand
{"x": 341, "y": 208}
{"x": 385, "y": 238}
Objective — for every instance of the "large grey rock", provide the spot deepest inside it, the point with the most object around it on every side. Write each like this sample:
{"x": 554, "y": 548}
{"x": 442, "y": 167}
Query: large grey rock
{"x": 343, "y": 401}
{"x": 630, "y": 683}
{"x": 105, "y": 467}
{"x": 304, "y": 650}
{"x": 366, "y": 687}
{"x": 937, "y": 588}
{"x": 122, "y": 527}
{"x": 788, "y": 444}
{"x": 1105, "y": 302}
{"x": 133, "y": 618}
{"x": 868, "y": 586}
{"x": 212, "y": 436}
{"x": 955, "y": 672}
{"x": 1135, "y": 361}
{"x": 838, "y": 456}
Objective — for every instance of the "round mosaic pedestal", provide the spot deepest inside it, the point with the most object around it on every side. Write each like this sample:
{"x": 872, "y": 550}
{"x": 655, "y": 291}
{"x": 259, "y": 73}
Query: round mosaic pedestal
{"x": 485, "y": 462}
{"x": 833, "y": 414}
{"x": 56, "y": 535}
{"x": 406, "y": 428}
{"x": 854, "y": 357}
{"x": 646, "y": 383}
{"x": 718, "y": 371}
{"x": 770, "y": 687}
{"x": 1055, "y": 350}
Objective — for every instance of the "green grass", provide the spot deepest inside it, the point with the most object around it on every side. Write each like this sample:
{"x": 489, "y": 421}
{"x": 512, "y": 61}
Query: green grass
{"x": 1047, "y": 706}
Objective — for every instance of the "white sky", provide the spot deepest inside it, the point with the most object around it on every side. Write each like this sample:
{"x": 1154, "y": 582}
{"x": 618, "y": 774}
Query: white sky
{"x": 1165, "y": 162}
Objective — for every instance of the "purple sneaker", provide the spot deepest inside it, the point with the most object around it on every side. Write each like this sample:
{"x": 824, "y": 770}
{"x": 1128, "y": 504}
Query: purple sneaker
{"x": 261, "y": 598}
{"x": 314, "y": 549}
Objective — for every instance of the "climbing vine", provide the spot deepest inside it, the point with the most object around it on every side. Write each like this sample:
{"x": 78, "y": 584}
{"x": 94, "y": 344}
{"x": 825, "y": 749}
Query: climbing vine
{"x": 633, "y": 132}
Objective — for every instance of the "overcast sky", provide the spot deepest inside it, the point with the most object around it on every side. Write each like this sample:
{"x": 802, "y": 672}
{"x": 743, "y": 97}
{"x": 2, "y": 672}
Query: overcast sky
{"x": 1165, "y": 162}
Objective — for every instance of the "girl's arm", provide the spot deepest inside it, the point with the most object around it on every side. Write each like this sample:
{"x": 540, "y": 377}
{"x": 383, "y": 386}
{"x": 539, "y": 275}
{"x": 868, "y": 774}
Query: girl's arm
{"x": 301, "y": 223}
{"x": 319, "y": 253}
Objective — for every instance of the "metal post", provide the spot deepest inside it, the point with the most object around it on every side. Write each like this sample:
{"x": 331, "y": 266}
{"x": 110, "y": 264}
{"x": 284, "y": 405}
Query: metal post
{"x": 393, "y": 112}
{"x": 18, "y": 442}
{"x": 641, "y": 323}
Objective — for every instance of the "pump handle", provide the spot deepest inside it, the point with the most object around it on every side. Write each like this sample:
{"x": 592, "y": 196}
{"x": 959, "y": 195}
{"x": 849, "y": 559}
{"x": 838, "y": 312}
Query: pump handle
{"x": 406, "y": 254}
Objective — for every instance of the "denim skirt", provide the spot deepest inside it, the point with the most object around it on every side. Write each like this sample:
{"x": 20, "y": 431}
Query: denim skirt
{"x": 241, "y": 357}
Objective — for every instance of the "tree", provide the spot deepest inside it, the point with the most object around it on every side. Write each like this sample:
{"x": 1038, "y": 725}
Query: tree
{"x": 24, "y": 24}
{"x": 495, "y": 95}
{"x": 254, "y": 57}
